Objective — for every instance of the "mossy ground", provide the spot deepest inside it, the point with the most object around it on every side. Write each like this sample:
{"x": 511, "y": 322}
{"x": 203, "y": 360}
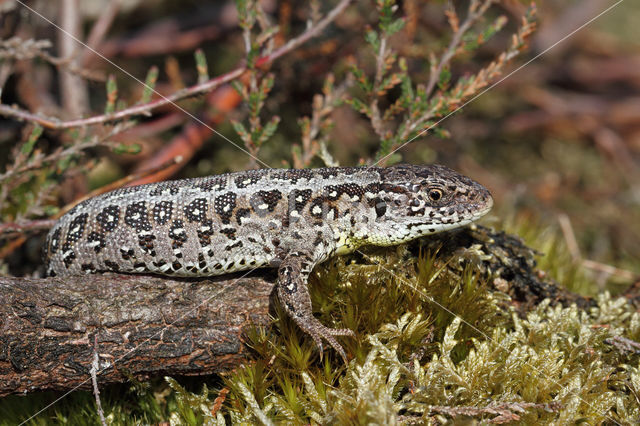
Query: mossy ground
{"x": 435, "y": 342}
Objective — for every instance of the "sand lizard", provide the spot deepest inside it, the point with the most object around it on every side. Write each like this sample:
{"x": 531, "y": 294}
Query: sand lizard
{"x": 286, "y": 219}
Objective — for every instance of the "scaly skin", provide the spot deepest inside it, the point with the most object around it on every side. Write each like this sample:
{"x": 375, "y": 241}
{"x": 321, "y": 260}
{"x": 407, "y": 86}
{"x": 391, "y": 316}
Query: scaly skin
{"x": 289, "y": 219}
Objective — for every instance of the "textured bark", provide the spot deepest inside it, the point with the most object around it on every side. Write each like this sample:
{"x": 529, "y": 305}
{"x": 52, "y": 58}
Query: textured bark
{"x": 142, "y": 325}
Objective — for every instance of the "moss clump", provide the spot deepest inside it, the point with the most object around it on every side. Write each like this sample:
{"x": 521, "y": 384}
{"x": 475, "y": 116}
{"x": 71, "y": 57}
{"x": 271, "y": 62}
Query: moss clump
{"x": 436, "y": 342}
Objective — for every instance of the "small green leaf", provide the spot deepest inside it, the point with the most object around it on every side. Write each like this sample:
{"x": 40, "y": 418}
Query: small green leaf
{"x": 240, "y": 130}
{"x": 112, "y": 95}
{"x": 33, "y": 138}
{"x": 444, "y": 78}
{"x": 201, "y": 66}
{"x": 371, "y": 37}
{"x": 149, "y": 84}
{"x": 121, "y": 148}
{"x": 64, "y": 163}
{"x": 395, "y": 26}
{"x": 359, "y": 106}
{"x": 239, "y": 87}
{"x": 269, "y": 129}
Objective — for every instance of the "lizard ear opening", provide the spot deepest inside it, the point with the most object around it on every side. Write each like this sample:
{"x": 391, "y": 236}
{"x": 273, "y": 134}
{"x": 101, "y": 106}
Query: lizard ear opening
{"x": 381, "y": 207}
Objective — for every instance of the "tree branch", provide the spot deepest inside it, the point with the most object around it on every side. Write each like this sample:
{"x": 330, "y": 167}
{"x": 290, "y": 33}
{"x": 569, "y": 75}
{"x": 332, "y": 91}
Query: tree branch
{"x": 139, "y": 325}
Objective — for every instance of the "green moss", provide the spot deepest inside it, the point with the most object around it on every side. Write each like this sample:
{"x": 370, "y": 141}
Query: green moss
{"x": 434, "y": 342}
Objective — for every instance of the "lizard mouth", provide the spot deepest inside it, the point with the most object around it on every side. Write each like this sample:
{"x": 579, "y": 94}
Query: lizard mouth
{"x": 485, "y": 207}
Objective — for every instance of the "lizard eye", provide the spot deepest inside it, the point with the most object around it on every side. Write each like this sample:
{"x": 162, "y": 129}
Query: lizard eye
{"x": 435, "y": 194}
{"x": 381, "y": 207}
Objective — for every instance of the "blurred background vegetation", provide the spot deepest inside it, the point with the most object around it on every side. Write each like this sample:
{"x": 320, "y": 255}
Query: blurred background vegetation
{"x": 557, "y": 142}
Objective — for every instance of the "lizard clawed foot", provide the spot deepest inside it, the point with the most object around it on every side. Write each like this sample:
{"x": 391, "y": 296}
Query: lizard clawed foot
{"x": 318, "y": 332}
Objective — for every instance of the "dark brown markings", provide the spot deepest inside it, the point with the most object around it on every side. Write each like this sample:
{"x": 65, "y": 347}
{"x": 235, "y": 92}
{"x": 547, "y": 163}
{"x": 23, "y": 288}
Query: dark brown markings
{"x": 319, "y": 239}
{"x": 264, "y": 202}
{"x": 136, "y": 216}
{"x": 334, "y": 192}
{"x": 97, "y": 241}
{"x": 196, "y": 211}
{"x": 68, "y": 254}
{"x": 247, "y": 179}
{"x": 317, "y": 207}
{"x": 162, "y": 212}
{"x": 242, "y": 213}
{"x": 230, "y": 233}
{"x": 55, "y": 241}
{"x": 419, "y": 212}
{"x": 111, "y": 265}
{"x": 127, "y": 254}
{"x": 159, "y": 264}
{"x": 286, "y": 280}
{"x": 372, "y": 187}
{"x": 176, "y": 265}
{"x": 234, "y": 245}
{"x": 212, "y": 184}
{"x": 88, "y": 267}
{"x": 177, "y": 233}
{"x": 224, "y": 205}
{"x": 108, "y": 218}
{"x": 202, "y": 263}
{"x": 396, "y": 189}
{"x": 145, "y": 241}
{"x": 299, "y": 198}
{"x": 172, "y": 187}
{"x": 205, "y": 232}
{"x": 76, "y": 228}
{"x": 292, "y": 176}
{"x": 327, "y": 173}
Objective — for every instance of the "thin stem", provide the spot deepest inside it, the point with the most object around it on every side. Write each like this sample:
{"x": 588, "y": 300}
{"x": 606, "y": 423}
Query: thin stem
{"x": 146, "y": 108}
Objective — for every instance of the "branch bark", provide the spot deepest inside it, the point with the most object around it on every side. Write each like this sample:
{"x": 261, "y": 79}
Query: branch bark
{"x": 143, "y": 326}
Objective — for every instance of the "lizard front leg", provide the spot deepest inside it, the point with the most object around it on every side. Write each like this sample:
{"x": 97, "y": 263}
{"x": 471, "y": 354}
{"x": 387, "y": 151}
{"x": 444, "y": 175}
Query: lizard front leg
{"x": 294, "y": 295}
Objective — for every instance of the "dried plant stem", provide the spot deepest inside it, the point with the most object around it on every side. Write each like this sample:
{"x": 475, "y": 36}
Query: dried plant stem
{"x": 146, "y": 108}
{"x": 474, "y": 13}
{"x": 22, "y": 227}
{"x": 99, "y": 30}
{"x": 74, "y": 92}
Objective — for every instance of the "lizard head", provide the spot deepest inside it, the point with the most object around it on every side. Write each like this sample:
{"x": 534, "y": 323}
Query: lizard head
{"x": 419, "y": 200}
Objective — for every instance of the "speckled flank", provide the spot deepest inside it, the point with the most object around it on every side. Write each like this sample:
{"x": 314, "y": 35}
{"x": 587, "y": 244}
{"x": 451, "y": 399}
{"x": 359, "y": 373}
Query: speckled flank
{"x": 291, "y": 219}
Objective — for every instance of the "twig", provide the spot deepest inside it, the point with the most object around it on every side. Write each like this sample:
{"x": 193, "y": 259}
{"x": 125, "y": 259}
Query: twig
{"x": 623, "y": 344}
{"x": 146, "y": 108}
{"x": 95, "y": 367}
{"x": 609, "y": 270}
{"x": 22, "y": 227}
{"x": 187, "y": 143}
{"x": 569, "y": 236}
{"x": 506, "y": 411}
{"x": 99, "y": 30}
{"x": 472, "y": 17}
{"x": 73, "y": 89}
{"x": 576, "y": 256}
